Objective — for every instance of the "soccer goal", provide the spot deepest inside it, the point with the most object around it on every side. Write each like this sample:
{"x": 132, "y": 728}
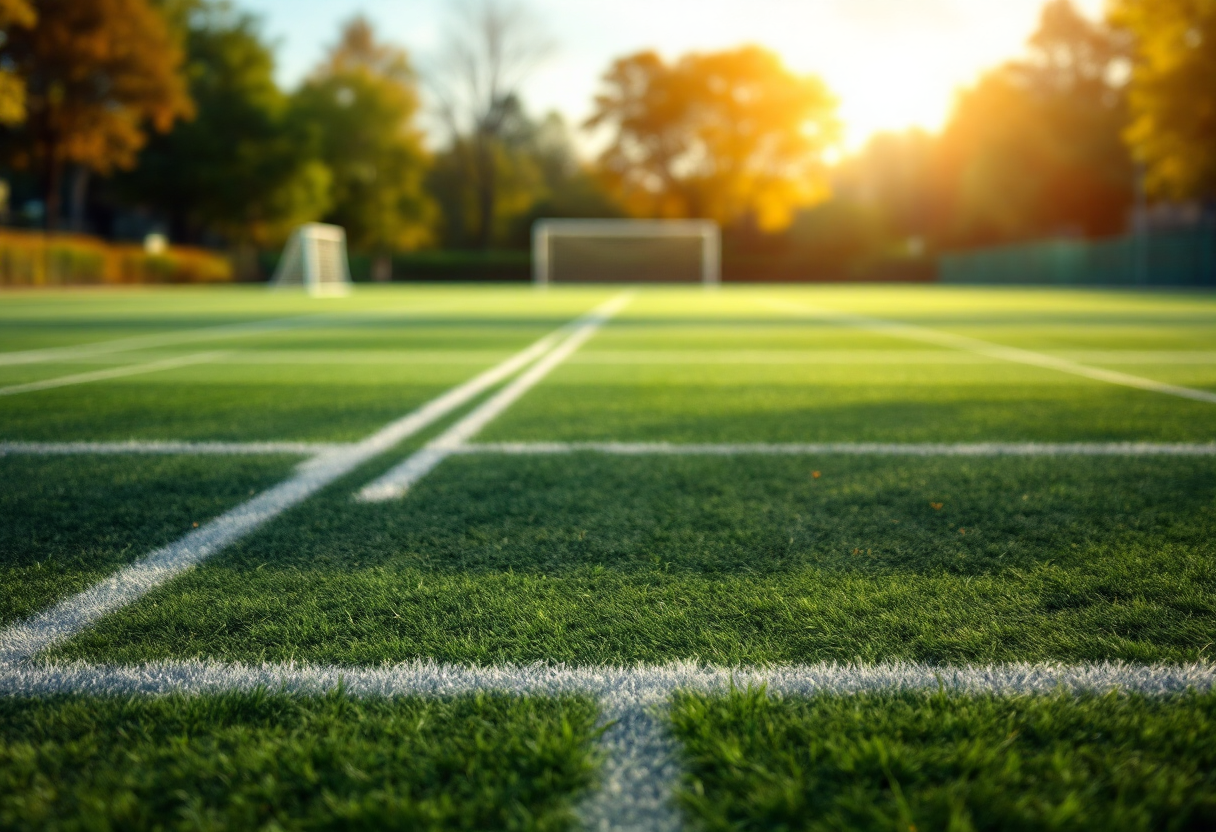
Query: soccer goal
{"x": 630, "y": 251}
{"x": 315, "y": 258}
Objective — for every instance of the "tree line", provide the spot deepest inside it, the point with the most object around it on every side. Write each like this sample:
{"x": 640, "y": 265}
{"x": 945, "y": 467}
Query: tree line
{"x": 169, "y": 109}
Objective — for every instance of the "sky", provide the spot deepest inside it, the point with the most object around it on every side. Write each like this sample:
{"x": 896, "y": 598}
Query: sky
{"x": 893, "y": 64}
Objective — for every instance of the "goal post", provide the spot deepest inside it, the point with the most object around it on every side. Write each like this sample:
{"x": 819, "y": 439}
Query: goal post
{"x": 315, "y": 258}
{"x": 631, "y": 251}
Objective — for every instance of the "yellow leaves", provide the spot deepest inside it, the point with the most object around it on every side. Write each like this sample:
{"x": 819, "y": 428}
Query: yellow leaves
{"x": 937, "y": 506}
{"x": 723, "y": 135}
{"x": 816, "y": 475}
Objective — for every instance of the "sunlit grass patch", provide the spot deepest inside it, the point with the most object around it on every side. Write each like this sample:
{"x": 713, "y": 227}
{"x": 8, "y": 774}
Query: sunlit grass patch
{"x": 913, "y": 761}
{"x": 592, "y": 559}
{"x": 274, "y": 761}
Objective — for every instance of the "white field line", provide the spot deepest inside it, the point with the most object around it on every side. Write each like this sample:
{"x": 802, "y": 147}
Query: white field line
{"x": 849, "y": 448}
{"x": 113, "y": 372}
{"x": 395, "y": 483}
{"x": 138, "y": 342}
{"x": 1012, "y": 354}
{"x": 70, "y": 616}
{"x": 641, "y": 767}
{"x": 135, "y": 446}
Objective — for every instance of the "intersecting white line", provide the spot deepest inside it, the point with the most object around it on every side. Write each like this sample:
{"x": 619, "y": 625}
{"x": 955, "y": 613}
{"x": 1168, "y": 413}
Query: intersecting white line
{"x": 136, "y": 342}
{"x": 640, "y": 767}
{"x": 112, "y": 372}
{"x": 847, "y": 448}
{"x": 1015, "y": 355}
{"x": 63, "y": 620}
{"x": 395, "y": 483}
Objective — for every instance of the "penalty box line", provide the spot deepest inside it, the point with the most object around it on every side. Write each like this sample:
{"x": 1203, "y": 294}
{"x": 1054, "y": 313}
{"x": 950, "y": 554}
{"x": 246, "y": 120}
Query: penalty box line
{"x": 1014, "y": 355}
{"x": 395, "y": 483}
{"x": 70, "y": 616}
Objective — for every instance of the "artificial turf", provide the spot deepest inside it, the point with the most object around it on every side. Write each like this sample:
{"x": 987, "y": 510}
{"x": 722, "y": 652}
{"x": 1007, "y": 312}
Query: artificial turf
{"x": 273, "y": 761}
{"x": 69, "y": 521}
{"x": 920, "y": 761}
{"x": 592, "y": 559}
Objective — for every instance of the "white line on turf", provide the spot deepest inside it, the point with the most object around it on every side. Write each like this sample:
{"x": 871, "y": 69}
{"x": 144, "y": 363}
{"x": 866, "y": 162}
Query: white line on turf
{"x": 135, "y": 446}
{"x": 70, "y": 616}
{"x": 641, "y": 767}
{"x": 113, "y": 372}
{"x": 1015, "y": 355}
{"x": 137, "y": 342}
{"x": 396, "y": 482}
{"x": 849, "y": 448}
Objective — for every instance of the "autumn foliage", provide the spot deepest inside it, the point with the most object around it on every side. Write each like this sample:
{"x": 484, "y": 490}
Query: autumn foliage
{"x": 98, "y": 74}
{"x": 732, "y": 136}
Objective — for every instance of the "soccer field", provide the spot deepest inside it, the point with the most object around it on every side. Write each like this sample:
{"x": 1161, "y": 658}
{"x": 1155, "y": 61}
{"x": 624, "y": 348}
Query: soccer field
{"x": 761, "y": 557}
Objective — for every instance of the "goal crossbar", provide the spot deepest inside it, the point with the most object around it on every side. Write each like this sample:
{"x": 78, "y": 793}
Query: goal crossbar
{"x": 544, "y": 232}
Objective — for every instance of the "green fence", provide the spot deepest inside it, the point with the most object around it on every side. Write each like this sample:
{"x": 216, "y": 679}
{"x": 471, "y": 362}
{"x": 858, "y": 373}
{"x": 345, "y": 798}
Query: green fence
{"x": 1180, "y": 258}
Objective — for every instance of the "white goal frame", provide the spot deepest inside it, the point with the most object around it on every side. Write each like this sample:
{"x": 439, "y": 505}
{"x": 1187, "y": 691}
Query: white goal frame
{"x": 315, "y": 258}
{"x": 543, "y": 232}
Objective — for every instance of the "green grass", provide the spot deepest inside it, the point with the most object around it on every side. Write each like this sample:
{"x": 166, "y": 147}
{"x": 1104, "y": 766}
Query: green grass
{"x": 591, "y": 559}
{"x": 951, "y": 762}
{"x": 274, "y": 761}
{"x": 69, "y": 521}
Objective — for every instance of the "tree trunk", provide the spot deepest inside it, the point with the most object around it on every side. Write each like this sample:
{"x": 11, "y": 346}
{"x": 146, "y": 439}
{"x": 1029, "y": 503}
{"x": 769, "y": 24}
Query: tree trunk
{"x": 486, "y": 192}
{"x": 52, "y": 187}
{"x": 80, "y": 190}
{"x": 382, "y": 268}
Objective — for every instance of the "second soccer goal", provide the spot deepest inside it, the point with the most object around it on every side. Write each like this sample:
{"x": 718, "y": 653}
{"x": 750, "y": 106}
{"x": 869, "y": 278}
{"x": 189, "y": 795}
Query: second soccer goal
{"x": 626, "y": 251}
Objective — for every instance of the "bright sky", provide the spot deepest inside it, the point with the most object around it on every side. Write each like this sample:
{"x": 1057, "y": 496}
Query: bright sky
{"x": 893, "y": 63}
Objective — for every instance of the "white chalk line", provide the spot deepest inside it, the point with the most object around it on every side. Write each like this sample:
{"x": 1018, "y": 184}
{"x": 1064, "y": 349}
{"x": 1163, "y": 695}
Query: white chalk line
{"x": 976, "y": 449}
{"x": 640, "y": 768}
{"x": 111, "y": 373}
{"x": 1012, "y": 354}
{"x": 395, "y": 483}
{"x": 135, "y": 446}
{"x": 136, "y": 342}
{"x": 67, "y": 618}
{"x": 849, "y": 357}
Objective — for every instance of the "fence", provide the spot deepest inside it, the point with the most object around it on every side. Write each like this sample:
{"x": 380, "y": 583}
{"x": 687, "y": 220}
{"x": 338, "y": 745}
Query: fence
{"x": 32, "y": 259}
{"x": 1178, "y": 258}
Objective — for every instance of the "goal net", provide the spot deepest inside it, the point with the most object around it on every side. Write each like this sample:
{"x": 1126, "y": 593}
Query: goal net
{"x": 315, "y": 258}
{"x": 630, "y": 251}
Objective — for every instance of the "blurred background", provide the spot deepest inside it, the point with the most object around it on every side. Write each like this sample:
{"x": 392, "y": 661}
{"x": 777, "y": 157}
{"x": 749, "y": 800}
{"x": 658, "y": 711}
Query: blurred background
{"x": 866, "y": 140}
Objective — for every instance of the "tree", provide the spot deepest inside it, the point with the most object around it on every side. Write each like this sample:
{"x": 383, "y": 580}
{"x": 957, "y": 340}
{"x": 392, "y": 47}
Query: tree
{"x": 98, "y": 73}
{"x": 1034, "y": 148}
{"x": 19, "y": 14}
{"x": 363, "y": 102}
{"x": 243, "y": 168}
{"x": 490, "y": 50}
{"x": 733, "y": 136}
{"x": 1173, "y": 93}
